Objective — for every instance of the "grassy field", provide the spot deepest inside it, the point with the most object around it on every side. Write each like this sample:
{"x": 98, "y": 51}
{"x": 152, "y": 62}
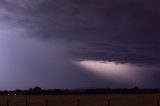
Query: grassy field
{"x": 82, "y": 100}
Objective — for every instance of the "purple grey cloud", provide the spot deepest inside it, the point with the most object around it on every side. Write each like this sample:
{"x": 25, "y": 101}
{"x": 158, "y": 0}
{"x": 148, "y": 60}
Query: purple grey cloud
{"x": 46, "y": 34}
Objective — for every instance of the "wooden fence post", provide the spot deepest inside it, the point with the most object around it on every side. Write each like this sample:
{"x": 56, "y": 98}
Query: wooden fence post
{"x": 157, "y": 102}
{"x": 109, "y": 103}
{"x": 46, "y": 102}
{"x": 78, "y": 102}
{"x": 26, "y": 102}
{"x": 8, "y": 102}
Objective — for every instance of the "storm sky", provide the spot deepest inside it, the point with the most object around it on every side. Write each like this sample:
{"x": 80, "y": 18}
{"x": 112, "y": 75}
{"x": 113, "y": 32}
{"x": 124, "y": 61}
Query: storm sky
{"x": 79, "y": 44}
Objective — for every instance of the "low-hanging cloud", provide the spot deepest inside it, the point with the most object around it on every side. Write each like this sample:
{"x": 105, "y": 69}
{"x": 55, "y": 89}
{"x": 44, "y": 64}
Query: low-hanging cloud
{"x": 122, "y": 31}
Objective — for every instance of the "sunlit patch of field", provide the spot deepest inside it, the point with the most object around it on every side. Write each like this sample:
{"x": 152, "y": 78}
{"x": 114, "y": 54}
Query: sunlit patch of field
{"x": 82, "y": 100}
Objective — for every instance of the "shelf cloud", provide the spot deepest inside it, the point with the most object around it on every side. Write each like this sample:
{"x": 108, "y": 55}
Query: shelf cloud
{"x": 124, "y": 32}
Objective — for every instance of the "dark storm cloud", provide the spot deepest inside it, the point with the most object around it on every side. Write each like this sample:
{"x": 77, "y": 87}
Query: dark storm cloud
{"x": 111, "y": 30}
{"x": 62, "y": 32}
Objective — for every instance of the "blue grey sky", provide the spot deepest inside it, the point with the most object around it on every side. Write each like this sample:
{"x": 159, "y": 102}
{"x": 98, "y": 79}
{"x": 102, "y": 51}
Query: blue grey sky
{"x": 79, "y": 43}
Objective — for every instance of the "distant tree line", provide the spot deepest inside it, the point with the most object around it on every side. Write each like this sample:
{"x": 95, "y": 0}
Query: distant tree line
{"x": 38, "y": 91}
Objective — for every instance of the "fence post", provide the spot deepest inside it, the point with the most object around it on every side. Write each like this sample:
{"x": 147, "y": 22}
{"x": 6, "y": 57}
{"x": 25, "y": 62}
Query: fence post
{"x": 46, "y": 102}
{"x": 8, "y": 102}
{"x": 109, "y": 103}
{"x": 78, "y": 102}
{"x": 157, "y": 102}
{"x": 26, "y": 102}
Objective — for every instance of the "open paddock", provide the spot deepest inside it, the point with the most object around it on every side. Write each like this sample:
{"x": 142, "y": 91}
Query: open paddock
{"x": 82, "y": 100}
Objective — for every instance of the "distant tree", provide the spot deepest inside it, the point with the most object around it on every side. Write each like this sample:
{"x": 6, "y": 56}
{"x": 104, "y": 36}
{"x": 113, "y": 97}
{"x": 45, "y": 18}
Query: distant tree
{"x": 135, "y": 88}
{"x": 30, "y": 89}
{"x": 36, "y": 90}
{"x": 18, "y": 91}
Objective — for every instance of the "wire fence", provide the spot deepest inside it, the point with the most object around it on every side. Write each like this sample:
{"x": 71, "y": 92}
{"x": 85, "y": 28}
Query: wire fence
{"x": 80, "y": 102}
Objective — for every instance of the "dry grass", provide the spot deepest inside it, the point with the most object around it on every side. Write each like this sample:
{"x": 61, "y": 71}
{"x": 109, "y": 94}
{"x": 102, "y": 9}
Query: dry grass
{"x": 84, "y": 100}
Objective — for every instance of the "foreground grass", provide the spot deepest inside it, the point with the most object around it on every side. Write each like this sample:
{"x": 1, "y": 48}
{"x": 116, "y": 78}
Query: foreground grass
{"x": 82, "y": 100}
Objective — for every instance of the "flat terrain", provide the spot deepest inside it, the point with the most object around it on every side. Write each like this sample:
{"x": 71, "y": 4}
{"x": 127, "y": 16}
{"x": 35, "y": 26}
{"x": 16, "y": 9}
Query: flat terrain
{"x": 82, "y": 100}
